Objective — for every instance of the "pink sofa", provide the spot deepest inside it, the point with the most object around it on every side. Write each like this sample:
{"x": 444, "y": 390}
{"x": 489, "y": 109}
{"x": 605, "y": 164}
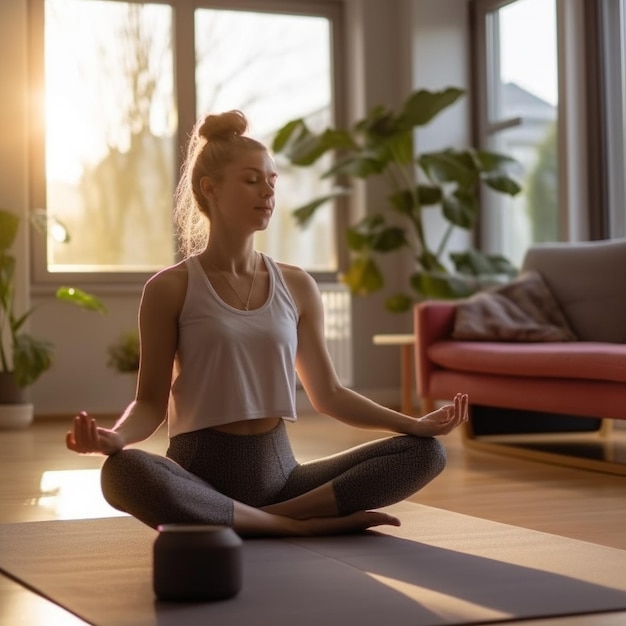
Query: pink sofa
{"x": 585, "y": 377}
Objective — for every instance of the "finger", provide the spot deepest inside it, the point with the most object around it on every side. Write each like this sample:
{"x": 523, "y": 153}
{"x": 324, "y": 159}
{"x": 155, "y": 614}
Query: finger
{"x": 78, "y": 432}
{"x": 93, "y": 434}
{"x": 82, "y": 431}
{"x": 70, "y": 442}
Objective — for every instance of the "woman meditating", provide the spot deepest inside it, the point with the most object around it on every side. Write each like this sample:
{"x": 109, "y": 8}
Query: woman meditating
{"x": 222, "y": 336}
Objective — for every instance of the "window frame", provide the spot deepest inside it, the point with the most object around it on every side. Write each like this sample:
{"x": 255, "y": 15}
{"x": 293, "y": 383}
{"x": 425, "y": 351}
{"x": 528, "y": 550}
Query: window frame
{"x": 574, "y": 136}
{"x": 185, "y": 95}
{"x": 612, "y": 39}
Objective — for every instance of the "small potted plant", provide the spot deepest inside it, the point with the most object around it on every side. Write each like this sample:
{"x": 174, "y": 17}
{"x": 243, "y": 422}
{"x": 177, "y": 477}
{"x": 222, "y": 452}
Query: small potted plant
{"x": 23, "y": 358}
{"x": 123, "y": 354}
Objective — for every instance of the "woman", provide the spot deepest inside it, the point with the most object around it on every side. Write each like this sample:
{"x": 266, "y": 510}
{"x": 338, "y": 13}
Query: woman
{"x": 222, "y": 335}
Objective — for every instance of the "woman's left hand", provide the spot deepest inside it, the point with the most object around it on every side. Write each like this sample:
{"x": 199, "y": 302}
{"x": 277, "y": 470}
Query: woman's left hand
{"x": 443, "y": 420}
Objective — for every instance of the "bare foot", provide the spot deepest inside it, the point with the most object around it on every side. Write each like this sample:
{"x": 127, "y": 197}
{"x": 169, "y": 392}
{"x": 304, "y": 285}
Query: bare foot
{"x": 251, "y": 522}
{"x": 347, "y": 524}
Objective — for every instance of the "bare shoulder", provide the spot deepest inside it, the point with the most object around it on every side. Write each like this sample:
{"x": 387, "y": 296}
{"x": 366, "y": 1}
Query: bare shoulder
{"x": 167, "y": 287}
{"x": 302, "y": 286}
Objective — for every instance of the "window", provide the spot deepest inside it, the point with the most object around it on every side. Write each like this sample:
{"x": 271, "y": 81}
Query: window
{"x": 613, "y": 25}
{"x": 517, "y": 99}
{"x": 122, "y": 84}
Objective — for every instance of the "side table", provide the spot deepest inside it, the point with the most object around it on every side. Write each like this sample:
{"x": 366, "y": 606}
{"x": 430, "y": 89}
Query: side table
{"x": 406, "y": 343}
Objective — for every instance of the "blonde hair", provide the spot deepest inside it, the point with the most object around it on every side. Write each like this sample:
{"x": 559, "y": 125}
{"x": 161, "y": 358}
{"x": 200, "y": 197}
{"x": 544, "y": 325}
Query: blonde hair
{"x": 213, "y": 144}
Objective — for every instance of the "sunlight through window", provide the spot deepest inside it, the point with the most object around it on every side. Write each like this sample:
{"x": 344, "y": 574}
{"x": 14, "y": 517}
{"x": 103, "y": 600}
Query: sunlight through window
{"x": 74, "y": 494}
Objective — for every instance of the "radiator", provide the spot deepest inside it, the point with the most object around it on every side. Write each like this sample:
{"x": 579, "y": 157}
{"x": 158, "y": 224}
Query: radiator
{"x": 338, "y": 328}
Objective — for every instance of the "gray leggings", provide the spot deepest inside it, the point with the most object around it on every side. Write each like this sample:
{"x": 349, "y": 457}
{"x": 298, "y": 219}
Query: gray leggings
{"x": 206, "y": 470}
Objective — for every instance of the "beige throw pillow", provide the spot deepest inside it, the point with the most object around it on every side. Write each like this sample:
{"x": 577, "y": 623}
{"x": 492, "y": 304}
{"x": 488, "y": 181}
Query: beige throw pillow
{"x": 522, "y": 310}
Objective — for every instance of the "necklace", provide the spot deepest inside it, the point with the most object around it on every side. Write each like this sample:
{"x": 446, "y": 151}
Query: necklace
{"x": 244, "y": 303}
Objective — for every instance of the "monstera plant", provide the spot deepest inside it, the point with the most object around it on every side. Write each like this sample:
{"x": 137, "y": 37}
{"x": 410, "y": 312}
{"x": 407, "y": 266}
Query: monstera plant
{"x": 24, "y": 358}
{"x": 448, "y": 181}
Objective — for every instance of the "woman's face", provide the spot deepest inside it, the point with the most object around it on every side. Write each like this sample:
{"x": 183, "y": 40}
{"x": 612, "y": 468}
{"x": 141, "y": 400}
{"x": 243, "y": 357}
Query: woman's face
{"x": 244, "y": 196}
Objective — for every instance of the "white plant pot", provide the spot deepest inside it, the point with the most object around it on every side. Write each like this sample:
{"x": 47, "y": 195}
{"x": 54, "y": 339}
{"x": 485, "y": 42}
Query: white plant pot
{"x": 14, "y": 416}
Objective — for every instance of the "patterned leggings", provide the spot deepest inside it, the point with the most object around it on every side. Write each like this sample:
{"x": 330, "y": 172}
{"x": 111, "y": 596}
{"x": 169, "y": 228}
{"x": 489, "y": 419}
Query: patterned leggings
{"x": 206, "y": 470}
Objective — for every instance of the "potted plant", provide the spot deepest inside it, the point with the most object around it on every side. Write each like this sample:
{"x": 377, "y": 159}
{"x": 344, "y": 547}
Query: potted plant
{"x": 23, "y": 358}
{"x": 123, "y": 353}
{"x": 123, "y": 356}
{"x": 382, "y": 144}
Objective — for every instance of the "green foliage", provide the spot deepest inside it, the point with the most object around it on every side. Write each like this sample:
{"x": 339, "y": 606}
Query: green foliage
{"x": 382, "y": 144}
{"x": 123, "y": 354}
{"x": 27, "y": 357}
{"x": 543, "y": 190}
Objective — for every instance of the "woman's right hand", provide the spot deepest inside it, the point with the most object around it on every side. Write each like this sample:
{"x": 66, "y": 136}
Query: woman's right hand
{"x": 86, "y": 437}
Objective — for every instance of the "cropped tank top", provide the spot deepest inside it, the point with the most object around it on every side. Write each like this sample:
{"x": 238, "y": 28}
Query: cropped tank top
{"x": 233, "y": 365}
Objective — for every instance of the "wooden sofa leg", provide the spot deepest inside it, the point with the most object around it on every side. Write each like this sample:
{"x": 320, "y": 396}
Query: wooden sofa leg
{"x": 606, "y": 428}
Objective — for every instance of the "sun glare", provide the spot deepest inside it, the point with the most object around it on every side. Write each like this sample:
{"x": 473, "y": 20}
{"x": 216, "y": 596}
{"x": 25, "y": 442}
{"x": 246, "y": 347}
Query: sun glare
{"x": 74, "y": 494}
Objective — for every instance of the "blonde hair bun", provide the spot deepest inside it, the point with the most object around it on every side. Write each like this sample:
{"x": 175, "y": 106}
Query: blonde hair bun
{"x": 223, "y": 126}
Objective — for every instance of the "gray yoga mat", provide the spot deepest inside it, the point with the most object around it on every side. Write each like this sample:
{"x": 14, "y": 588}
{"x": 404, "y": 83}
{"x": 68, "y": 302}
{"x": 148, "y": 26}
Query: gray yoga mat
{"x": 438, "y": 568}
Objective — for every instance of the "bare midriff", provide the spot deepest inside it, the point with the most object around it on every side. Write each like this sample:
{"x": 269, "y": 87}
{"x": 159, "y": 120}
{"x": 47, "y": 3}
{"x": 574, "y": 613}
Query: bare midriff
{"x": 249, "y": 427}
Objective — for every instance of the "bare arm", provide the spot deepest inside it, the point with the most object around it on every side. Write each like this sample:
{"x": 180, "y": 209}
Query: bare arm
{"x": 158, "y": 326}
{"x": 330, "y": 397}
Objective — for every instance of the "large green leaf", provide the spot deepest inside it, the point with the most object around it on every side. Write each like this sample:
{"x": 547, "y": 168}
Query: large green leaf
{"x": 429, "y": 195}
{"x": 447, "y": 166}
{"x": 403, "y": 201}
{"x": 379, "y": 124}
{"x": 359, "y": 236}
{"x": 429, "y": 261}
{"x": 441, "y": 286}
{"x": 423, "y": 105}
{"x": 363, "y": 276}
{"x": 398, "y": 149}
{"x": 7, "y": 271}
{"x": 461, "y": 208}
{"x": 503, "y": 184}
{"x": 357, "y": 241}
{"x": 492, "y": 161}
{"x": 9, "y": 224}
{"x": 31, "y": 358}
{"x": 284, "y": 134}
{"x": 304, "y": 213}
{"x": 80, "y": 298}
{"x": 399, "y": 303}
{"x": 303, "y": 147}
{"x": 358, "y": 165}
{"x": 476, "y": 263}
{"x": 389, "y": 239}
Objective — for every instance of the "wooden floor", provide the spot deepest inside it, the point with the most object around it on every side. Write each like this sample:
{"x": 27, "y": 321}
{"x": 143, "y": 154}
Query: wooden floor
{"x": 41, "y": 480}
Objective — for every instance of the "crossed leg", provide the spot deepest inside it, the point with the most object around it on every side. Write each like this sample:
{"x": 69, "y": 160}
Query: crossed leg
{"x": 329, "y": 496}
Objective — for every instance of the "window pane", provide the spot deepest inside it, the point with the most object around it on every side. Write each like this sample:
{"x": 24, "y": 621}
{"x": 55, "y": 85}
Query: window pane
{"x": 110, "y": 127}
{"x": 522, "y": 122}
{"x": 274, "y": 67}
{"x": 614, "y": 50}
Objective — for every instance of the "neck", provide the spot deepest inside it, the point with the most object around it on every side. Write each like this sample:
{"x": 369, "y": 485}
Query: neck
{"x": 229, "y": 258}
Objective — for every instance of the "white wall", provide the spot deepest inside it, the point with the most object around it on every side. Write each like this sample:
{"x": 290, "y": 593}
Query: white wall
{"x": 14, "y": 108}
{"x": 385, "y": 65}
{"x": 441, "y": 59}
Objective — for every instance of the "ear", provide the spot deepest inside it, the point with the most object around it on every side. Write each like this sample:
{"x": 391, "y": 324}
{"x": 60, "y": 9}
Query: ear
{"x": 207, "y": 187}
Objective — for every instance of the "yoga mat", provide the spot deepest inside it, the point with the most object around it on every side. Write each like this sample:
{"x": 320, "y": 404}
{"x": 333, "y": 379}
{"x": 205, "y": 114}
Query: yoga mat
{"x": 438, "y": 568}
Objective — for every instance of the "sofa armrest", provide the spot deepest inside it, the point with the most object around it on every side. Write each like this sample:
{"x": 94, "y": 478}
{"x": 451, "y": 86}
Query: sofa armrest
{"x": 433, "y": 320}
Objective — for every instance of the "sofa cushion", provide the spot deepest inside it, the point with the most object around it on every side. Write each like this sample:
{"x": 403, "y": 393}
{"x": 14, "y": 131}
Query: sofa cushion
{"x": 577, "y": 360}
{"x": 586, "y": 280}
{"x": 522, "y": 310}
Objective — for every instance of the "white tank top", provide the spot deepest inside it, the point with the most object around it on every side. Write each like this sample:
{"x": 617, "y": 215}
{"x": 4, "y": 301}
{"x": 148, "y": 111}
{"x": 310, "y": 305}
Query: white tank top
{"x": 233, "y": 365}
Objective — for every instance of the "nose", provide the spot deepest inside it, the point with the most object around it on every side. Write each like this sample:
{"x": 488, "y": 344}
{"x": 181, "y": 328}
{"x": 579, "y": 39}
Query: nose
{"x": 268, "y": 190}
